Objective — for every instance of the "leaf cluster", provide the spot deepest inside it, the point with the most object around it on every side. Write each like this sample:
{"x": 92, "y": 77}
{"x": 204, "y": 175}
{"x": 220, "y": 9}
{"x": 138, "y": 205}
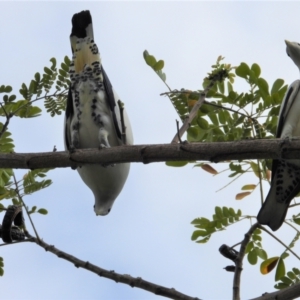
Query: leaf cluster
{"x": 222, "y": 218}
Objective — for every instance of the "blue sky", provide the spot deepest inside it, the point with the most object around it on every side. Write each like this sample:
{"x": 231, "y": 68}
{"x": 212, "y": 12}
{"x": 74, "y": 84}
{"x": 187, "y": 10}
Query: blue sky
{"x": 147, "y": 234}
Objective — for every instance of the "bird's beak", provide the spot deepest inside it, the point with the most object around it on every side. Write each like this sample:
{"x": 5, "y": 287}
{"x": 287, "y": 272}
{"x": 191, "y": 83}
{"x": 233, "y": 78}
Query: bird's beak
{"x": 288, "y": 43}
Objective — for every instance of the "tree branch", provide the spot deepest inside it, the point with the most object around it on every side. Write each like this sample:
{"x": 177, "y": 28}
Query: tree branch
{"x": 239, "y": 262}
{"x": 137, "y": 282}
{"x": 288, "y": 293}
{"x": 193, "y": 112}
{"x": 214, "y": 152}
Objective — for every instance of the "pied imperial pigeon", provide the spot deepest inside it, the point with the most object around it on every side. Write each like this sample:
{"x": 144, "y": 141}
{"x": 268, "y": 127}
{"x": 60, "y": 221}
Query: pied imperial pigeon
{"x": 94, "y": 117}
{"x": 285, "y": 181}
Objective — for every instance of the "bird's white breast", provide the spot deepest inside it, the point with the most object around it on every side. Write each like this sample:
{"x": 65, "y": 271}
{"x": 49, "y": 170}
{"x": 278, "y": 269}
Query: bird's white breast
{"x": 88, "y": 128}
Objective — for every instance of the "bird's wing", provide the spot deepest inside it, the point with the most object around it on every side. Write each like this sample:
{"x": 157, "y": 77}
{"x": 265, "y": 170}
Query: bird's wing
{"x": 285, "y": 183}
{"x": 68, "y": 117}
{"x": 110, "y": 98}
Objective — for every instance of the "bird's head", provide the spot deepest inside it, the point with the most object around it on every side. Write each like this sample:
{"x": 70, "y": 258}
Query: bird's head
{"x": 102, "y": 211}
{"x": 293, "y": 51}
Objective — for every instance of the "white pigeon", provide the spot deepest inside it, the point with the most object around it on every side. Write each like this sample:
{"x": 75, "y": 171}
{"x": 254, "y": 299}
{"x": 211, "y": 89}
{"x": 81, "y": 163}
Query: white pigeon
{"x": 93, "y": 117}
{"x": 285, "y": 183}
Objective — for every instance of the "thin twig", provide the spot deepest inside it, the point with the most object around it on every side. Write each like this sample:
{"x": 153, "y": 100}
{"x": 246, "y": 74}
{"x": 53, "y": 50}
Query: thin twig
{"x": 209, "y": 103}
{"x": 293, "y": 205}
{"x": 21, "y": 199}
{"x": 236, "y": 245}
{"x": 126, "y": 279}
{"x": 291, "y": 226}
{"x": 8, "y": 117}
{"x": 178, "y": 135}
{"x": 193, "y": 112}
{"x": 278, "y": 240}
{"x": 16, "y": 242}
{"x": 239, "y": 262}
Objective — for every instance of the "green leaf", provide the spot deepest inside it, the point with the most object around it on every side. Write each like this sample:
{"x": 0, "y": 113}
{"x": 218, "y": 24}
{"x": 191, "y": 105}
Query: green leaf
{"x": 159, "y": 65}
{"x": 150, "y": 59}
{"x": 218, "y": 211}
{"x": 198, "y": 233}
{"x": 67, "y": 61}
{"x": 252, "y": 257}
{"x": 222, "y": 117}
{"x": 64, "y": 67}
{"x": 256, "y": 69}
{"x": 42, "y": 211}
{"x": 261, "y": 253}
{"x": 48, "y": 71}
{"x": 214, "y": 119}
{"x": 53, "y": 60}
{"x": 249, "y": 187}
{"x": 296, "y": 271}
{"x": 280, "y": 271}
{"x": 202, "y": 123}
{"x": 286, "y": 280}
{"x": 33, "y": 87}
{"x": 176, "y": 163}
{"x": 291, "y": 275}
{"x": 8, "y": 89}
{"x": 63, "y": 73}
{"x": 242, "y": 70}
{"x": 37, "y": 77}
{"x": 12, "y": 98}
{"x": 281, "y": 286}
{"x": 249, "y": 247}
{"x": 277, "y": 86}
{"x": 263, "y": 87}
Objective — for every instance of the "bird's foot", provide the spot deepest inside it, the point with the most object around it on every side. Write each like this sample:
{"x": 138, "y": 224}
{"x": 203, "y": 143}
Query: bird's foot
{"x": 103, "y": 146}
{"x": 72, "y": 149}
{"x": 286, "y": 141}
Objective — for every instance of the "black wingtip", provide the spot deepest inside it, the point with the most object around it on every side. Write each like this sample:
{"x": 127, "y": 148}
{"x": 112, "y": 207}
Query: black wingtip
{"x": 80, "y": 21}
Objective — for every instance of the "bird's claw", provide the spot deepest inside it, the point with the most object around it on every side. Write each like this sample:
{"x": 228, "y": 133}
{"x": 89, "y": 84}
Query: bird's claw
{"x": 72, "y": 149}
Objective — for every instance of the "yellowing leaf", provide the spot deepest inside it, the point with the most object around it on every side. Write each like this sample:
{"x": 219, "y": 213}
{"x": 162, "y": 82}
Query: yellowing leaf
{"x": 209, "y": 169}
{"x": 268, "y": 175}
{"x": 240, "y": 196}
{"x": 268, "y": 265}
{"x": 191, "y": 103}
{"x": 249, "y": 187}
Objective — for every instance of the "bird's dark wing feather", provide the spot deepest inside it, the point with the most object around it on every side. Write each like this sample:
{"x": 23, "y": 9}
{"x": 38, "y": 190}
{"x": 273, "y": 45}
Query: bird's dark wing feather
{"x": 283, "y": 113}
{"x": 111, "y": 101}
{"x": 68, "y": 118}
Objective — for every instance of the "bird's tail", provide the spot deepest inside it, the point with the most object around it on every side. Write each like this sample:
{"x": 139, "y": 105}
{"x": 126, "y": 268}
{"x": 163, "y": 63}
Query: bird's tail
{"x": 285, "y": 186}
{"x": 272, "y": 212}
{"x": 85, "y": 51}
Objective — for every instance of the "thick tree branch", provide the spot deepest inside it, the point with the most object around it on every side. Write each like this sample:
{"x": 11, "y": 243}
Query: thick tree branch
{"x": 214, "y": 152}
{"x": 126, "y": 279}
{"x": 239, "y": 262}
{"x": 289, "y": 293}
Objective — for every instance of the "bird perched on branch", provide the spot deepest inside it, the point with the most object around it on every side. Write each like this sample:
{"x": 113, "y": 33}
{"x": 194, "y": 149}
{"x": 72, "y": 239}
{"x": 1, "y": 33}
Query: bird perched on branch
{"x": 285, "y": 183}
{"x": 95, "y": 117}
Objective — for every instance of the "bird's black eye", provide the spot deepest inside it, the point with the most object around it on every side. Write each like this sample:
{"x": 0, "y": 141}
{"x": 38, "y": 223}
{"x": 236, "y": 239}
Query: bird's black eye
{"x": 94, "y": 206}
{"x": 288, "y": 55}
{"x": 108, "y": 210}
